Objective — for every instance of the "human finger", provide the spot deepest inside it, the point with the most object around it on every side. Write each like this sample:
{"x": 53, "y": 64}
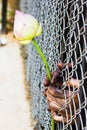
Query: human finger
{"x": 45, "y": 92}
{"x": 61, "y": 66}
{"x": 73, "y": 83}
{"x": 46, "y": 81}
{"x": 56, "y": 92}
{"x": 61, "y": 118}
{"x": 57, "y": 117}
{"x": 55, "y": 100}
{"x": 53, "y": 107}
{"x": 57, "y": 77}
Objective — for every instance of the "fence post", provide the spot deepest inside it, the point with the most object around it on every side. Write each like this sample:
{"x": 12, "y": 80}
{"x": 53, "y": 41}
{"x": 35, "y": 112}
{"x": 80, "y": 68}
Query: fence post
{"x": 4, "y": 14}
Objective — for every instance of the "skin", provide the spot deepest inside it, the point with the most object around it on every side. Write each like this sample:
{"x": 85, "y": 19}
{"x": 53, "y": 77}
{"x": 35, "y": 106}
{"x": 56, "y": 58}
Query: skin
{"x": 58, "y": 103}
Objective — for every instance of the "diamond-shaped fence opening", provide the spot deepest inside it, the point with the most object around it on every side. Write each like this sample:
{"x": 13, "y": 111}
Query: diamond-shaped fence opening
{"x": 64, "y": 39}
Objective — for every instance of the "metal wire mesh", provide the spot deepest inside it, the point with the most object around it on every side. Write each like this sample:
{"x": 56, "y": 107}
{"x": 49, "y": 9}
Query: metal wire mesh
{"x": 64, "y": 39}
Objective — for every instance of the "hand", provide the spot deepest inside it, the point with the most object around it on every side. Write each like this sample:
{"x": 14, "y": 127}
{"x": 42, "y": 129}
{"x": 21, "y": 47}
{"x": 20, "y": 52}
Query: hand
{"x": 62, "y": 103}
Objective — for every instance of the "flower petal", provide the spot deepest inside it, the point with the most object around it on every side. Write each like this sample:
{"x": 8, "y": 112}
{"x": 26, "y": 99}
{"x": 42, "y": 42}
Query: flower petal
{"x": 39, "y": 31}
{"x": 25, "y": 42}
{"x": 18, "y": 24}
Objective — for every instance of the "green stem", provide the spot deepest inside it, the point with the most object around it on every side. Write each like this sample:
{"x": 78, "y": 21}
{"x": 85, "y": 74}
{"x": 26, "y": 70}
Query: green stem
{"x": 43, "y": 58}
{"x": 47, "y": 70}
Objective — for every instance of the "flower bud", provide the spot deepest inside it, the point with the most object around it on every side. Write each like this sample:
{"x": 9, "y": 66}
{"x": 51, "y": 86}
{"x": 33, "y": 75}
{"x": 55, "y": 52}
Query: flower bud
{"x": 26, "y": 27}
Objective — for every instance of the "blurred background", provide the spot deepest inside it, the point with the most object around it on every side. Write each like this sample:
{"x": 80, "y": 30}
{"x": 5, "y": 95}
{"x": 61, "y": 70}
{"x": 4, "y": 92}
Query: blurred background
{"x": 7, "y": 10}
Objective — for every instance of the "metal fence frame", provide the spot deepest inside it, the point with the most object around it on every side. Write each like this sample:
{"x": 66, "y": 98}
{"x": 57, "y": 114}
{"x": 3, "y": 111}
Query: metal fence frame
{"x": 4, "y": 14}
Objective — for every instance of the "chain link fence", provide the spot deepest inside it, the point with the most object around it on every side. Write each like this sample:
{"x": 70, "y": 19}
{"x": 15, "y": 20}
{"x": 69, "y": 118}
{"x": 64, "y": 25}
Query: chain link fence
{"x": 64, "y": 39}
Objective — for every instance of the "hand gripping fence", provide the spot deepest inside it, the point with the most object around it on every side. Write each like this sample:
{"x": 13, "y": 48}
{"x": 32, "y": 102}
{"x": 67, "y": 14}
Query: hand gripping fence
{"x": 64, "y": 39}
